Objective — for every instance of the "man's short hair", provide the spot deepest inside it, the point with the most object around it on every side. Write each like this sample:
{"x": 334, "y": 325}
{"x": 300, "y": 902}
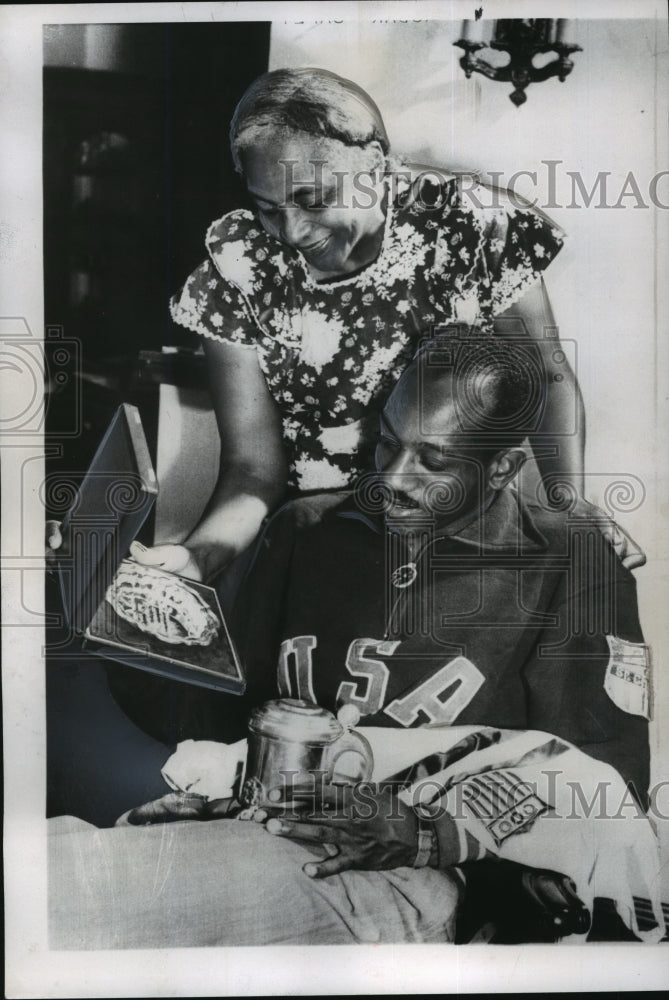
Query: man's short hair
{"x": 498, "y": 388}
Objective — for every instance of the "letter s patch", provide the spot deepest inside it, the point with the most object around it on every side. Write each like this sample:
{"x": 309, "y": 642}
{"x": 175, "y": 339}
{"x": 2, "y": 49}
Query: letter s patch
{"x": 628, "y": 680}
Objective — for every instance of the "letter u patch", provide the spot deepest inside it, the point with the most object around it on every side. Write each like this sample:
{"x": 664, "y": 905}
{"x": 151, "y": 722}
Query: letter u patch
{"x": 628, "y": 680}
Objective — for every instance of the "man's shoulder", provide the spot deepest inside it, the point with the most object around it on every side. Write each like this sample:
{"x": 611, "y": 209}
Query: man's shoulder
{"x": 311, "y": 510}
{"x": 577, "y": 523}
{"x": 554, "y": 523}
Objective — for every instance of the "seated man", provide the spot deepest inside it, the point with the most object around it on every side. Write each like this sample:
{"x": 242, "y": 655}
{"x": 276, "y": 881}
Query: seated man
{"x": 433, "y": 596}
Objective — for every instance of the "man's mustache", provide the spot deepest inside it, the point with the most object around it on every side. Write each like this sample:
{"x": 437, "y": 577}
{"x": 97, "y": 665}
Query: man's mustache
{"x": 377, "y": 495}
{"x": 402, "y": 499}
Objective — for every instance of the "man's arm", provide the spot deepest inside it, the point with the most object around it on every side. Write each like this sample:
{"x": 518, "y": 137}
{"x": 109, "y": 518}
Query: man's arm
{"x": 588, "y": 678}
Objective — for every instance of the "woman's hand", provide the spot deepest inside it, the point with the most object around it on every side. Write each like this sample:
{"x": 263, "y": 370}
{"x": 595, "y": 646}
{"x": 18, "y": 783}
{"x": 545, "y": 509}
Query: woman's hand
{"x": 53, "y": 537}
{"x": 53, "y": 540}
{"x": 172, "y": 558}
{"x": 361, "y": 826}
{"x": 627, "y": 550}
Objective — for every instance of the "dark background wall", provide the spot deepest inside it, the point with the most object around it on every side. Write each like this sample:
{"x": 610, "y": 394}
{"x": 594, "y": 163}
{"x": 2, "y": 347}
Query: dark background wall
{"x": 136, "y": 166}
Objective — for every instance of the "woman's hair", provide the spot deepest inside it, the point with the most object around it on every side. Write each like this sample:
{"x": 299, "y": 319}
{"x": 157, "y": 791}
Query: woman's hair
{"x": 308, "y": 100}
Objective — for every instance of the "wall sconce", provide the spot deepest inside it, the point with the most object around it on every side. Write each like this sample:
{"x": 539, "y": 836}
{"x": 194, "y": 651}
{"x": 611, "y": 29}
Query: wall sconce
{"x": 522, "y": 41}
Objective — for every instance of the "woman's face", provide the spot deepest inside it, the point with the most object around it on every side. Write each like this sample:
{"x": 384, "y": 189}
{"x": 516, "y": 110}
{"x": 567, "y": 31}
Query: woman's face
{"x": 317, "y": 196}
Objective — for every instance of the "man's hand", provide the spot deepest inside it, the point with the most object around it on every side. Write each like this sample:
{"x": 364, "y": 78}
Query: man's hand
{"x": 557, "y": 903}
{"x": 176, "y": 806}
{"x": 359, "y": 826}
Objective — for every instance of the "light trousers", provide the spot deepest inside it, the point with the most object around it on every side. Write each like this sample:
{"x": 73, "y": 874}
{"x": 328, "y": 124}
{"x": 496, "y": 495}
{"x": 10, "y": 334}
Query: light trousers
{"x": 227, "y": 882}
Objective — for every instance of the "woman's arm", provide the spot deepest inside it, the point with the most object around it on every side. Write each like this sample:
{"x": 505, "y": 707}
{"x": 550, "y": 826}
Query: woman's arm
{"x": 559, "y": 441}
{"x": 252, "y": 473}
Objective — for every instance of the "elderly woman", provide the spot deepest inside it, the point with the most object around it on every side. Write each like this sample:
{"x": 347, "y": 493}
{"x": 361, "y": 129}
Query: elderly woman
{"x": 311, "y": 307}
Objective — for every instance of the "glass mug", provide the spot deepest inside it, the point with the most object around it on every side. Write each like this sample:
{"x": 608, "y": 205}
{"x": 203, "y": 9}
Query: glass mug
{"x": 290, "y": 739}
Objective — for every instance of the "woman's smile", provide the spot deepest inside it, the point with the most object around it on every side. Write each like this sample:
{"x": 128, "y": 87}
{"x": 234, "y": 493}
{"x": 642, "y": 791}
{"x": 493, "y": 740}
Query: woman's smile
{"x": 314, "y": 248}
{"x": 312, "y": 207}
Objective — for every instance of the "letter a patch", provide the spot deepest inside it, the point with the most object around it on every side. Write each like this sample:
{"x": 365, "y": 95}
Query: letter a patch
{"x": 627, "y": 681}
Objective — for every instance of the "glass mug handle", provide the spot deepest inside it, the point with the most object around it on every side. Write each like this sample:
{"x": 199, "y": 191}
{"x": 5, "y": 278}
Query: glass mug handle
{"x": 348, "y": 744}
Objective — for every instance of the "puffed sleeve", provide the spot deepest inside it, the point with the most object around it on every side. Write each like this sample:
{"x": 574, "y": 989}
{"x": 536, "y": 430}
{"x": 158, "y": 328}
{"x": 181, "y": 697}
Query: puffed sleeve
{"x": 214, "y": 308}
{"x": 518, "y": 245}
{"x": 226, "y": 296}
{"x": 488, "y": 252}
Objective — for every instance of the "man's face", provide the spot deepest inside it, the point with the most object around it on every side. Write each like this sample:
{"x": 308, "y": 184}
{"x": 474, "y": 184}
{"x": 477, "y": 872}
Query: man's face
{"x": 428, "y": 466}
{"x": 318, "y": 207}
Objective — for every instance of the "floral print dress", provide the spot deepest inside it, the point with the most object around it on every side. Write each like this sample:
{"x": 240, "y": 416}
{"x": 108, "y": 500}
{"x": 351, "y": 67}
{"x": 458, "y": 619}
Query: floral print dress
{"x": 331, "y": 351}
